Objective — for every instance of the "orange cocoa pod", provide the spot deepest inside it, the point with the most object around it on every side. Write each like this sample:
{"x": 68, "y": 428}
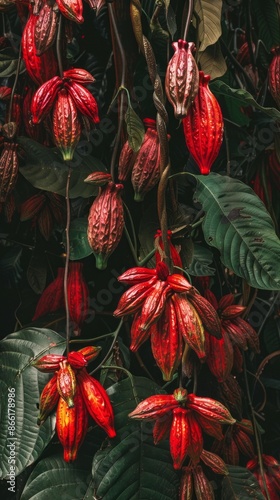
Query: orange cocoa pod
{"x": 274, "y": 75}
{"x": 97, "y": 402}
{"x": 186, "y": 484}
{"x": 48, "y": 363}
{"x": 189, "y": 324}
{"x": 72, "y": 10}
{"x": 8, "y": 170}
{"x": 45, "y": 28}
{"x": 106, "y": 223}
{"x": 203, "y": 126}
{"x": 66, "y": 124}
{"x": 179, "y": 437}
{"x": 78, "y": 295}
{"x": 206, "y": 312}
{"x": 182, "y": 78}
{"x": 48, "y": 400}
{"x": 202, "y": 486}
{"x": 66, "y": 383}
{"x": 71, "y": 425}
{"x": 154, "y": 407}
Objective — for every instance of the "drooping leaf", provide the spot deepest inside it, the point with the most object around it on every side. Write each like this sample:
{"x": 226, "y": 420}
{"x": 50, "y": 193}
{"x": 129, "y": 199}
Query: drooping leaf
{"x": 266, "y": 22}
{"x": 79, "y": 245}
{"x": 239, "y": 226}
{"x": 170, "y": 18}
{"x": 209, "y": 28}
{"x": 240, "y": 97}
{"x": 135, "y": 129}
{"x": 44, "y": 169}
{"x": 240, "y": 484}
{"x": 54, "y": 478}
{"x": 133, "y": 468}
{"x": 16, "y": 352}
{"x": 212, "y": 61}
{"x": 201, "y": 263}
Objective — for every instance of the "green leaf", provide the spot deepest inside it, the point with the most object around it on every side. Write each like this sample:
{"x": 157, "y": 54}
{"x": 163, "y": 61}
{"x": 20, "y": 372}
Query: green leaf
{"x": 212, "y": 61}
{"x": 16, "y": 352}
{"x": 9, "y": 63}
{"x": 133, "y": 468}
{"x": 79, "y": 245}
{"x": 239, "y": 226}
{"x": 209, "y": 28}
{"x": 44, "y": 169}
{"x": 271, "y": 335}
{"x": 54, "y": 478}
{"x": 266, "y": 22}
{"x": 170, "y": 18}
{"x": 240, "y": 484}
{"x": 201, "y": 263}
{"x": 240, "y": 97}
{"x": 135, "y": 129}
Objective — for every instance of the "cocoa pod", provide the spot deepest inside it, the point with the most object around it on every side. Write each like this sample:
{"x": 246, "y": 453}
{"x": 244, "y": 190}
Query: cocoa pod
{"x": 210, "y": 408}
{"x": 97, "y": 402}
{"x": 161, "y": 429}
{"x": 71, "y": 9}
{"x": 179, "y": 283}
{"x": 162, "y": 271}
{"x": 206, "y": 312}
{"x": 45, "y": 222}
{"x": 136, "y": 275}
{"x": 126, "y": 162}
{"x": 182, "y": 78}
{"x": 48, "y": 400}
{"x": 66, "y": 124}
{"x": 138, "y": 337}
{"x": 211, "y": 427}
{"x": 71, "y": 425}
{"x": 78, "y": 295}
{"x": 31, "y": 129}
{"x": 179, "y": 437}
{"x": 105, "y": 223}
{"x": 44, "y": 98}
{"x": 214, "y": 462}
{"x": 79, "y": 75}
{"x": 48, "y": 363}
{"x": 219, "y": 355}
{"x": 154, "y": 407}
{"x": 186, "y": 484}
{"x": 202, "y": 486}
{"x": 232, "y": 311}
{"x": 8, "y": 170}
{"x": 32, "y": 206}
{"x": 203, "y": 126}
{"x": 153, "y": 305}
{"x": 244, "y": 443}
{"x": 195, "y": 445}
{"x": 229, "y": 393}
{"x": 189, "y": 324}
{"x": 84, "y": 100}
{"x": 52, "y": 297}
{"x": 231, "y": 451}
{"x": 132, "y": 299}
{"x": 5, "y": 93}
{"x": 66, "y": 383}
{"x": 98, "y": 178}
{"x": 225, "y": 301}
{"x": 274, "y": 75}
{"x": 45, "y": 28}
{"x": 76, "y": 360}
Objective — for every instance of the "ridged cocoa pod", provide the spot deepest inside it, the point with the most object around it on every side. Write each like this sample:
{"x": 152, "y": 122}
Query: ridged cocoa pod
{"x": 45, "y": 222}
{"x": 32, "y": 206}
{"x": 8, "y": 170}
{"x": 39, "y": 68}
{"x": 230, "y": 394}
{"x": 44, "y": 98}
{"x": 186, "y": 484}
{"x": 84, "y": 100}
{"x": 31, "y": 129}
{"x": 78, "y": 295}
{"x": 195, "y": 439}
{"x": 105, "y": 223}
{"x": 78, "y": 75}
{"x": 179, "y": 436}
{"x": 66, "y": 383}
{"x": 214, "y": 461}
{"x": 274, "y": 75}
{"x": 126, "y": 162}
{"x": 202, "y": 486}
{"x": 66, "y": 124}
{"x": 52, "y": 297}
{"x": 71, "y": 9}
{"x": 203, "y": 126}
{"x": 146, "y": 169}
{"x": 219, "y": 355}
{"x": 46, "y": 28}
{"x": 182, "y": 76}
{"x": 48, "y": 363}
{"x": 71, "y": 425}
{"x": 48, "y": 400}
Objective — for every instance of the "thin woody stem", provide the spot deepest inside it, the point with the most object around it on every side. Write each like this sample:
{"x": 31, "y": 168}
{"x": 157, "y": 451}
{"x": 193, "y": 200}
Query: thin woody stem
{"x": 188, "y": 21}
{"x": 58, "y": 46}
{"x": 14, "y": 86}
{"x": 68, "y": 214}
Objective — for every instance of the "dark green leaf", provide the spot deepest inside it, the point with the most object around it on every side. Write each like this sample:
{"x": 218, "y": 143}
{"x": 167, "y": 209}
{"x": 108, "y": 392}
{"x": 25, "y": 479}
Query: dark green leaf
{"x": 209, "y": 28}
{"x": 239, "y": 226}
{"x": 240, "y": 97}
{"x": 135, "y": 129}
{"x": 79, "y": 245}
{"x": 16, "y": 352}
{"x": 44, "y": 169}
{"x": 266, "y": 22}
{"x": 240, "y": 484}
{"x": 170, "y": 18}
{"x": 201, "y": 263}
{"x": 212, "y": 61}
{"x": 271, "y": 335}
{"x": 133, "y": 468}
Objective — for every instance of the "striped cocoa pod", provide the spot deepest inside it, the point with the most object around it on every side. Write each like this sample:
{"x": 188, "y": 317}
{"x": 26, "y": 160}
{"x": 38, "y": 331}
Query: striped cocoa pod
{"x": 71, "y": 425}
{"x": 52, "y": 297}
{"x": 78, "y": 295}
{"x": 202, "y": 486}
{"x": 274, "y": 75}
{"x": 44, "y": 98}
{"x": 182, "y": 76}
{"x": 179, "y": 437}
{"x": 126, "y": 162}
{"x": 83, "y": 99}
{"x": 203, "y": 126}
{"x": 186, "y": 484}
{"x": 48, "y": 400}
{"x": 105, "y": 223}
{"x": 78, "y": 75}
{"x": 45, "y": 28}
{"x": 219, "y": 355}
{"x": 71, "y": 9}
{"x": 48, "y": 363}
{"x": 66, "y": 124}
{"x": 8, "y": 170}
{"x": 66, "y": 383}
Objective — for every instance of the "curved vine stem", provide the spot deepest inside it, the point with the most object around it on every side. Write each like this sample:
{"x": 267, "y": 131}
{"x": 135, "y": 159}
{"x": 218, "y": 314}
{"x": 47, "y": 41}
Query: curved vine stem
{"x": 188, "y": 21}
{"x": 14, "y": 86}
{"x": 58, "y": 46}
{"x": 67, "y": 248}
{"x": 115, "y": 333}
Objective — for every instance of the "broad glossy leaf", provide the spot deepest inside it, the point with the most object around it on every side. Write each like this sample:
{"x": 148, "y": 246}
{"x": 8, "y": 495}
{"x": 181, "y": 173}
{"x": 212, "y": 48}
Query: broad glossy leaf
{"x": 133, "y": 468}
{"x": 271, "y": 335}
{"x": 240, "y": 97}
{"x": 170, "y": 18}
{"x": 79, "y": 245}
{"x": 239, "y": 226}
{"x": 135, "y": 129}
{"x": 44, "y": 169}
{"x": 209, "y": 28}
{"x": 212, "y": 61}
{"x": 266, "y": 22}
{"x": 201, "y": 263}
{"x": 240, "y": 484}
{"x": 16, "y": 352}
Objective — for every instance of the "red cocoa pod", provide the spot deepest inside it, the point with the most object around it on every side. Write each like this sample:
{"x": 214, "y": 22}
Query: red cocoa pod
{"x": 98, "y": 178}
{"x": 230, "y": 451}
{"x": 186, "y": 484}
{"x": 161, "y": 429}
{"x": 274, "y": 75}
{"x": 66, "y": 124}
{"x": 225, "y": 301}
{"x": 246, "y": 425}
{"x": 189, "y": 324}
{"x": 126, "y": 162}
{"x": 52, "y": 297}
{"x": 179, "y": 437}
{"x": 136, "y": 275}
{"x": 132, "y": 299}
{"x": 237, "y": 359}
{"x": 203, "y": 126}
{"x": 243, "y": 442}
{"x": 206, "y": 312}
{"x": 210, "y": 408}
{"x": 48, "y": 400}
{"x": 5, "y": 93}
{"x": 32, "y": 206}
{"x": 154, "y": 305}
{"x": 97, "y": 402}
{"x": 90, "y": 352}
{"x": 71, "y": 9}
{"x": 146, "y": 169}
{"x": 76, "y": 360}
{"x": 45, "y": 28}
{"x": 79, "y": 75}
{"x": 78, "y": 295}
{"x": 45, "y": 222}
{"x": 8, "y": 170}
{"x": 236, "y": 334}
{"x": 232, "y": 311}
{"x": 179, "y": 283}
{"x": 215, "y": 462}
{"x": 219, "y": 355}
{"x": 138, "y": 337}
{"x": 211, "y": 427}
{"x": 84, "y": 100}
{"x": 182, "y": 78}
{"x": 162, "y": 271}
{"x": 195, "y": 445}
{"x": 66, "y": 383}
{"x": 202, "y": 486}
{"x": 105, "y": 223}
{"x": 71, "y": 425}
{"x": 229, "y": 393}
{"x": 154, "y": 407}
{"x": 44, "y": 99}
{"x": 31, "y": 129}
{"x": 175, "y": 257}
{"x": 250, "y": 334}
{"x": 48, "y": 363}
{"x": 166, "y": 341}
